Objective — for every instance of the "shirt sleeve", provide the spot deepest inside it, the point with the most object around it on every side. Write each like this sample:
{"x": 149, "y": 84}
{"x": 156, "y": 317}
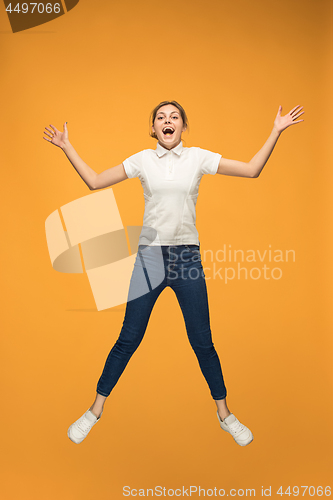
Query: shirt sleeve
{"x": 209, "y": 162}
{"x": 133, "y": 165}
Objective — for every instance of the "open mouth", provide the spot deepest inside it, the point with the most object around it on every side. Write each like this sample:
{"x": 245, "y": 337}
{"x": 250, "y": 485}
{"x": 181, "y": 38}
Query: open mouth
{"x": 168, "y": 131}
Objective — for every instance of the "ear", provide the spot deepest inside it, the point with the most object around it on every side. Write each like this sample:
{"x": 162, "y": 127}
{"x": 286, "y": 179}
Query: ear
{"x": 152, "y": 129}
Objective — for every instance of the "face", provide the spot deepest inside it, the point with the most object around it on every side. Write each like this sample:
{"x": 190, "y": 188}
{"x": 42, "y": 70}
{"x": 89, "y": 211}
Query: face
{"x": 168, "y": 126}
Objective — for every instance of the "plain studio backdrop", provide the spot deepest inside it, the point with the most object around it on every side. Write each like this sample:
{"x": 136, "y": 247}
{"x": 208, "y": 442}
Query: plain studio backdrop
{"x": 102, "y": 67}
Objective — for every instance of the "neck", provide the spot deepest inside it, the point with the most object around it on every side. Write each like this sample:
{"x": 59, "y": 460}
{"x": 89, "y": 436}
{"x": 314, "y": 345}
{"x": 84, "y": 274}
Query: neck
{"x": 167, "y": 146}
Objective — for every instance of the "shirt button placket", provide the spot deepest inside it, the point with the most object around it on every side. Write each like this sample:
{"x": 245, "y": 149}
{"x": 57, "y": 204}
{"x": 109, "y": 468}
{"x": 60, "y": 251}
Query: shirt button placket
{"x": 169, "y": 165}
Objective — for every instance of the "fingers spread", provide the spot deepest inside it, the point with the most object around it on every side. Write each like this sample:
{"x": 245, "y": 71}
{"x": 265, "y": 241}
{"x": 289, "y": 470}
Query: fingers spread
{"x": 295, "y": 108}
{"x": 298, "y": 115}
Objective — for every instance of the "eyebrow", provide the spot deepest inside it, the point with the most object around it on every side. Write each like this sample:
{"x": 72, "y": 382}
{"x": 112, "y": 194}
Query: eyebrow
{"x": 162, "y": 113}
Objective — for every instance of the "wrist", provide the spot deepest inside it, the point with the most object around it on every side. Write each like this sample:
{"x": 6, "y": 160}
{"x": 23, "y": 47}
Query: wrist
{"x": 276, "y": 131}
{"x": 65, "y": 145}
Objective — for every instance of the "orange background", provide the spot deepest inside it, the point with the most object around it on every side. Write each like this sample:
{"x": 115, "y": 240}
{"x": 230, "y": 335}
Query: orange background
{"x": 103, "y": 67}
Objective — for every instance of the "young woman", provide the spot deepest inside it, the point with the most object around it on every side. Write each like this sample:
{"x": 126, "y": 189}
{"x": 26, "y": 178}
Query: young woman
{"x": 169, "y": 248}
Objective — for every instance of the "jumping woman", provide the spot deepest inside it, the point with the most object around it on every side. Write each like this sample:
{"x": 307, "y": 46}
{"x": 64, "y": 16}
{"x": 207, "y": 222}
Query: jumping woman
{"x": 169, "y": 248}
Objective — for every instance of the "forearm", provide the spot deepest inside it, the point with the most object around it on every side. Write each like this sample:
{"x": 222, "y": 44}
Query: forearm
{"x": 258, "y": 162}
{"x": 85, "y": 172}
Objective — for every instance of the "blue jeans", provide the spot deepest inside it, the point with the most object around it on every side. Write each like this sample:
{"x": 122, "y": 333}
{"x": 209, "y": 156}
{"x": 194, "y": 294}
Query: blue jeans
{"x": 155, "y": 268}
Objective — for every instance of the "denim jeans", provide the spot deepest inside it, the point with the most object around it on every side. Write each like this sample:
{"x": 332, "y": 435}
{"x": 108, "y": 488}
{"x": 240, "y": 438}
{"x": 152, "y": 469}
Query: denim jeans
{"x": 155, "y": 268}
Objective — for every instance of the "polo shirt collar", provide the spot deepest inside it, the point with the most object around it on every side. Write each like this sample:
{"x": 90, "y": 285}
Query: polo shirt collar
{"x": 160, "y": 150}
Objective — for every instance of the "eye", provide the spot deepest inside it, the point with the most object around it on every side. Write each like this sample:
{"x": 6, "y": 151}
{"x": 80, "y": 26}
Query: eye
{"x": 175, "y": 117}
{"x": 160, "y": 117}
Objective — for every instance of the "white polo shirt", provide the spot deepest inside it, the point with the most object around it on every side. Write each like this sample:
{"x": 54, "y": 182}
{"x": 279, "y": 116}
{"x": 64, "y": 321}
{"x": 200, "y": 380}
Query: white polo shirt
{"x": 170, "y": 181}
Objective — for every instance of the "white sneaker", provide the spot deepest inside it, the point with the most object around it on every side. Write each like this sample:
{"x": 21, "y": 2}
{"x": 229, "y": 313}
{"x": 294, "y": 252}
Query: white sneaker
{"x": 80, "y": 429}
{"x": 241, "y": 434}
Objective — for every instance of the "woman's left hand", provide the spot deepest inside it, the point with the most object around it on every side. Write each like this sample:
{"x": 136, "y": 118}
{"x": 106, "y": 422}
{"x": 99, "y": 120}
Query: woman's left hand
{"x": 282, "y": 122}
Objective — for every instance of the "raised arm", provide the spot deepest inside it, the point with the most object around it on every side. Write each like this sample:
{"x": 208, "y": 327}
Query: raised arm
{"x": 257, "y": 163}
{"x": 91, "y": 178}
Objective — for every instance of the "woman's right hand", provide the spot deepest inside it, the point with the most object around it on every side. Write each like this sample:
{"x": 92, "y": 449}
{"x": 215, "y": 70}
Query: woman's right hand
{"x": 56, "y": 137}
